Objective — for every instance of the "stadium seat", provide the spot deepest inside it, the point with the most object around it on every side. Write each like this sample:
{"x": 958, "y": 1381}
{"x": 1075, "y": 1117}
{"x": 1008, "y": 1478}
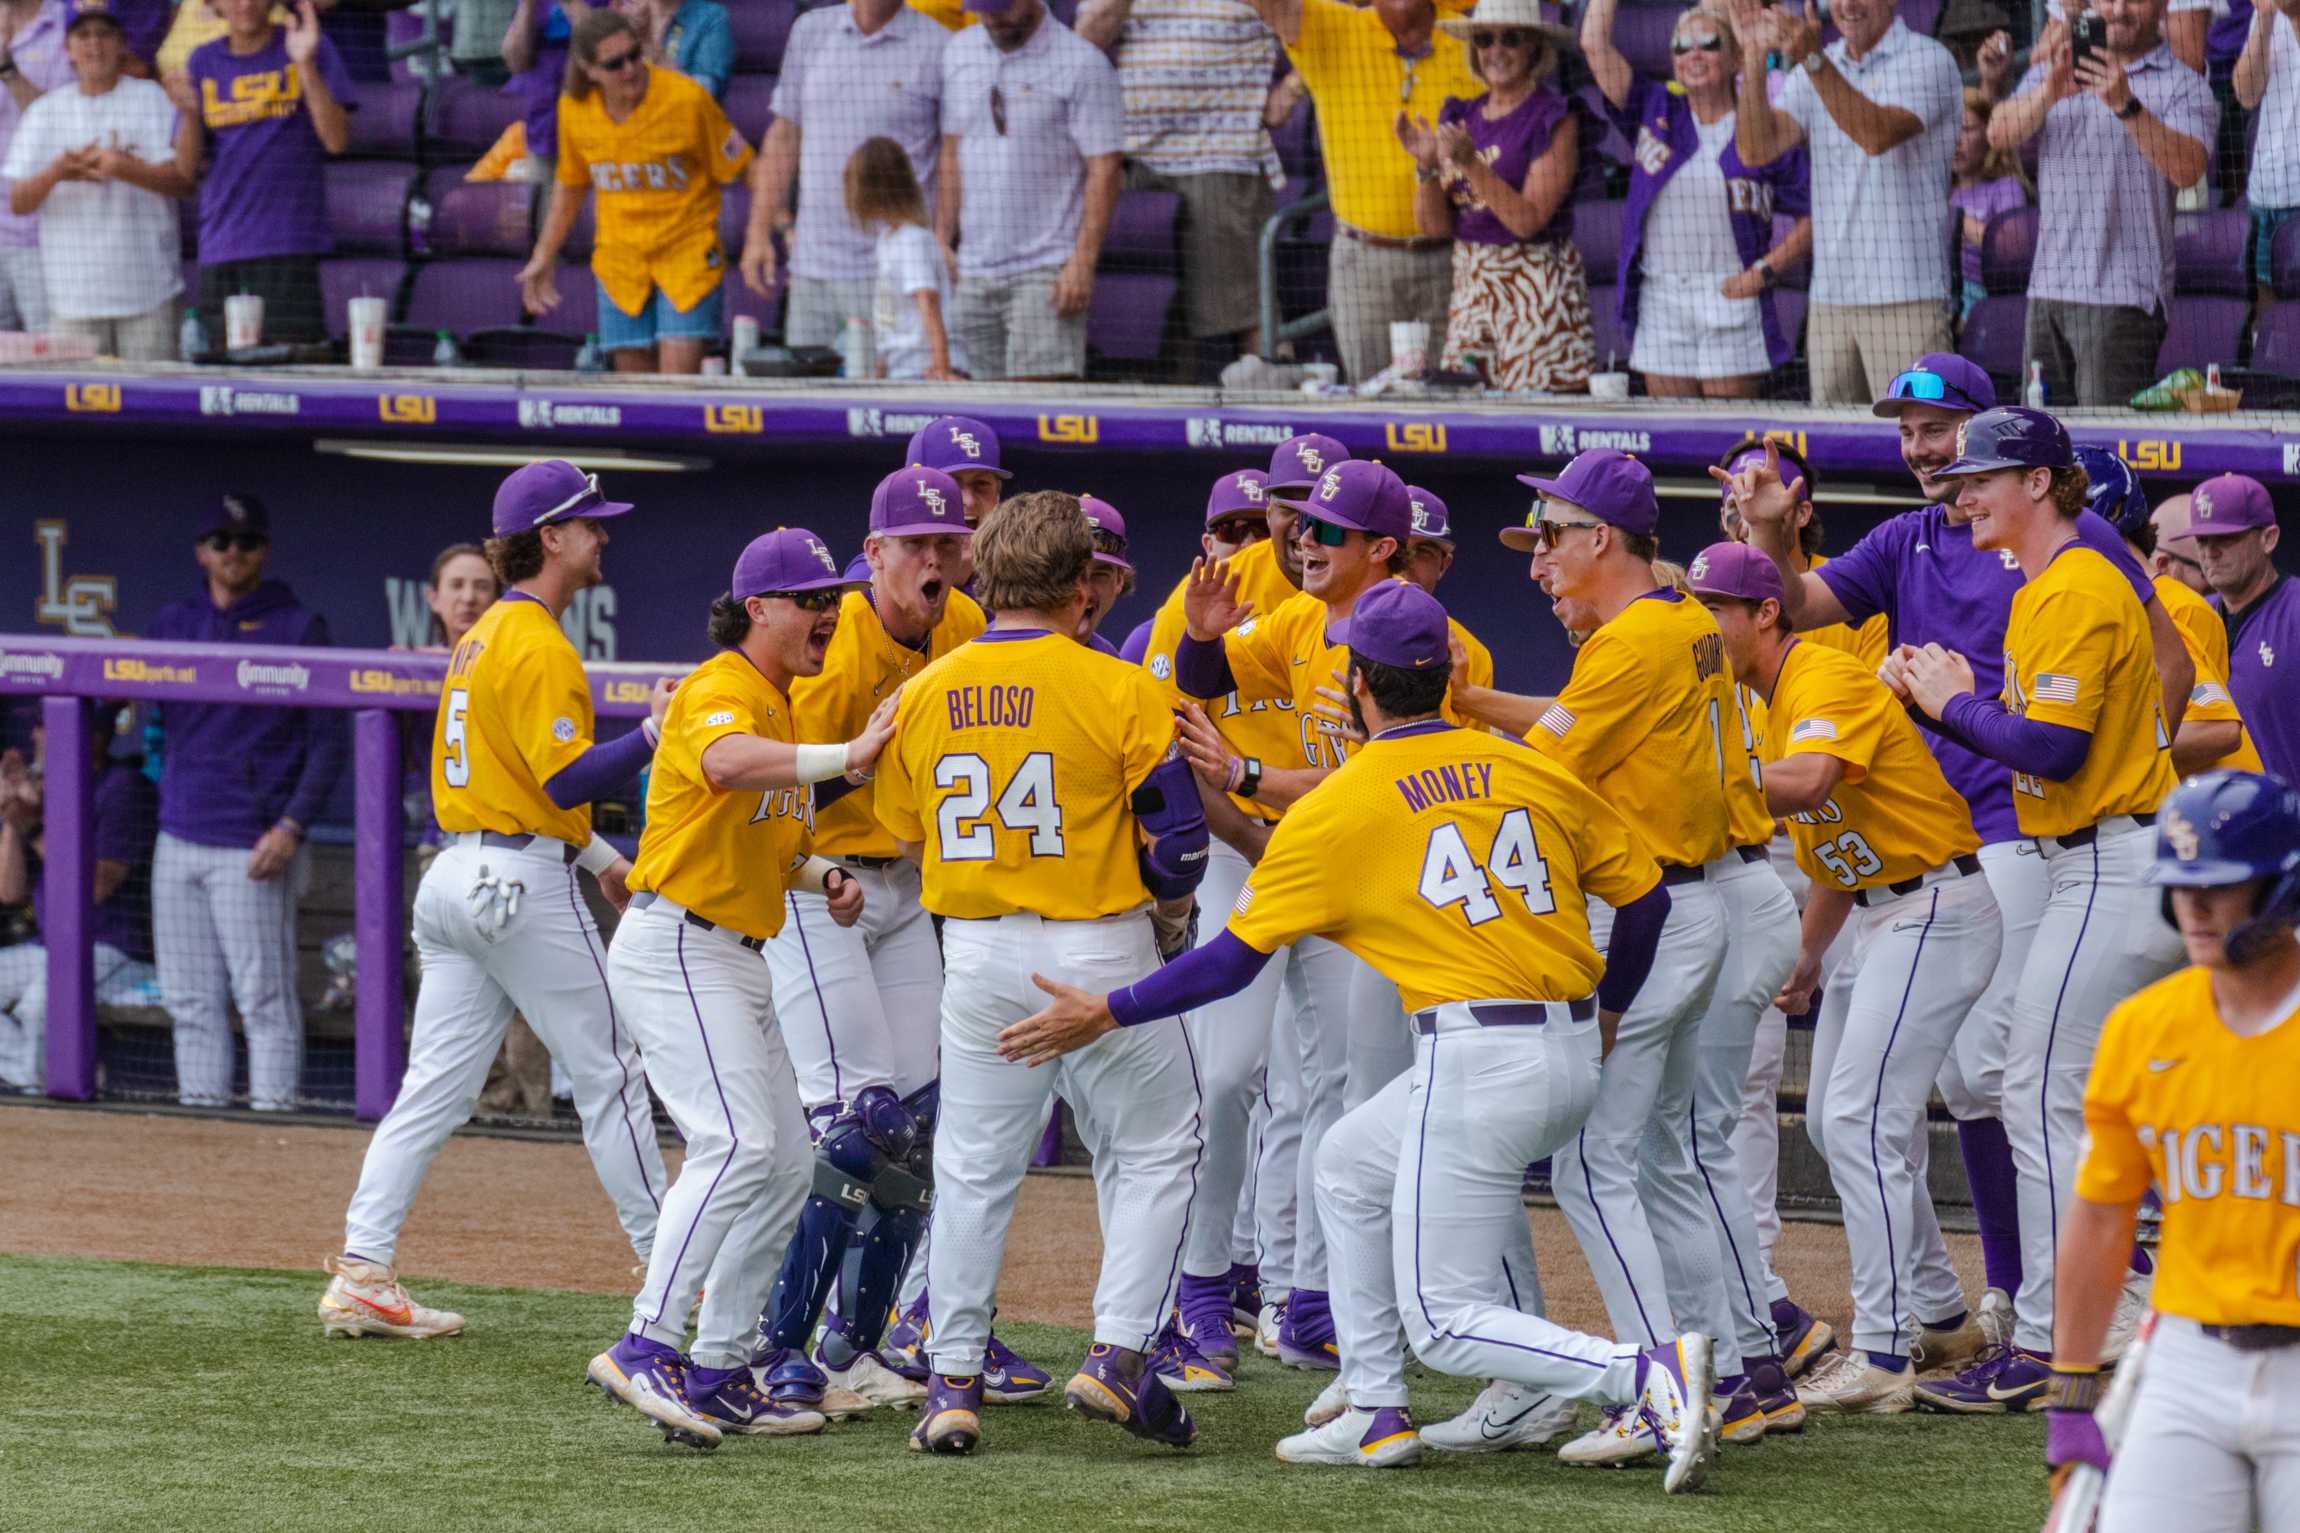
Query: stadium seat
{"x": 2284, "y": 260}
{"x": 465, "y": 119}
{"x": 1605, "y": 151}
{"x": 2008, "y": 249}
{"x": 2208, "y": 250}
{"x": 1297, "y": 143}
{"x": 1789, "y": 308}
{"x": 1142, "y": 233}
{"x": 2203, "y": 329}
{"x": 1995, "y": 339}
{"x": 476, "y": 218}
{"x": 406, "y": 26}
{"x": 578, "y": 311}
{"x": 526, "y": 350}
{"x": 466, "y": 295}
{"x": 741, "y": 302}
{"x": 1797, "y": 274}
{"x": 762, "y": 27}
{"x": 359, "y": 38}
{"x": 343, "y": 278}
{"x": 1126, "y": 321}
{"x": 367, "y": 205}
{"x": 1597, "y": 231}
{"x": 2276, "y": 343}
{"x": 387, "y": 125}
{"x": 746, "y": 106}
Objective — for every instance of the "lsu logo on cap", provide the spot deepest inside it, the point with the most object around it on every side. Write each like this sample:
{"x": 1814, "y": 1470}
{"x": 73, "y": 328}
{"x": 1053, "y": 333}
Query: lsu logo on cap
{"x": 815, "y": 547}
{"x": 1251, "y": 489}
{"x": 1311, "y": 459}
{"x": 1331, "y": 485}
{"x": 2201, "y": 504}
{"x": 965, "y": 442}
{"x": 2181, "y": 836}
{"x": 1421, "y": 517}
{"x": 1698, "y": 568}
{"x": 1961, "y": 438}
{"x": 933, "y": 498}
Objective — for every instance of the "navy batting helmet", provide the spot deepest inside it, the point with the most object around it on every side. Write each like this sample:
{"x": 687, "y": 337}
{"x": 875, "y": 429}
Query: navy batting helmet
{"x": 2009, "y": 436}
{"x": 2224, "y": 828}
{"x": 2115, "y": 494}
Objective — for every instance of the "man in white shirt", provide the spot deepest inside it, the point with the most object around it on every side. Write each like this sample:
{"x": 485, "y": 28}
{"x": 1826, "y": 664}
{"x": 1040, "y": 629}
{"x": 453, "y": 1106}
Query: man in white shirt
{"x": 1879, "y": 109}
{"x": 866, "y": 69}
{"x": 98, "y": 164}
{"x": 1031, "y": 130}
{"x": 2268, "y": 82}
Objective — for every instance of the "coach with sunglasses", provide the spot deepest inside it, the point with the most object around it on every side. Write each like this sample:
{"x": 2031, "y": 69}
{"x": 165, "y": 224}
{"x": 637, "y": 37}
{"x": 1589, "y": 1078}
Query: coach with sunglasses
{"x": 239, "y": 787}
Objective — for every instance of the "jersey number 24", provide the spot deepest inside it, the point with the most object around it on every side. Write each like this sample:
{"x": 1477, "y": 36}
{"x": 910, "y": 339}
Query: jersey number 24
{"x": 963, "y": 830}
{"x": 1451, "y": 876}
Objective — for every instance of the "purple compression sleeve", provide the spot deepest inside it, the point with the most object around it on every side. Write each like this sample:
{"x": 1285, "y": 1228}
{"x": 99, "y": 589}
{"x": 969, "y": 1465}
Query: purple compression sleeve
{"x": 1629, "y": 955}
{"x": 600, "y": 770}
{"x": 1203, "y": 670}
{"x": 1203, "y": 975}
{"x": 2054, "y": 752}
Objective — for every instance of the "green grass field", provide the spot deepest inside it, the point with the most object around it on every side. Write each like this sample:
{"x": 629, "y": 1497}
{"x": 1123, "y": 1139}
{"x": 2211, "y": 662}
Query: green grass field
{"x": 204, "y": 1398}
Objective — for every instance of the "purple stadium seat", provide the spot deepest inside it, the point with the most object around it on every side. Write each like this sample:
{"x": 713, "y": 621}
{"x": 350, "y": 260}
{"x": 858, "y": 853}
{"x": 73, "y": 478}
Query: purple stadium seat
{"x": 1995, "y": 335}
{"x": 1142, "y": 233}
{"x": 741, "y": 301}
{"x": 476, "y": 218}
{"x": 1127, "y": 319}
{"x": 467, "y": 119}
{"x": 746, "y": 106}
{"x": 465, "y": 295}
{"x": 2203, "y": 329}
{"x": 734, "y": 219}
{"x": 2208, "y": 251}
{"x": 2284, "y": 260}
{"x": 2008, "y": 248}
{"x": 1920, "y": 16}
{"x": 367, "y": 205}
{"x": 343, "y": 278}
{"x": 761, "y": 29}
{"x": 404, "y": 26}
{"x": 359, "y": 43}
{"x": 526, "y": 350}
{"x": 2276, "y": 344}
{"x": 1612, "y": 338}
{"x": 586, "y": 229}
{"x": 1296, "y": 143}
{"x": 1597, "y": 230}
{"x": 387, "y": 124}
{"x": 1641, "y": 34}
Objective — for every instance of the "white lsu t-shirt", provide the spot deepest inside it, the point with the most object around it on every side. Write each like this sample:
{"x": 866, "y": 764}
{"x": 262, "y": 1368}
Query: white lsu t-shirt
{"x": 108, "y": 250}
{"x": 910, "y": 262}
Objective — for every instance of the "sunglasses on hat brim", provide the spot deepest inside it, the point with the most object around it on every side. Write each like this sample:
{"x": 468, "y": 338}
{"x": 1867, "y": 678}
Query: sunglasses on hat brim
{"x": 1921, "y": 386}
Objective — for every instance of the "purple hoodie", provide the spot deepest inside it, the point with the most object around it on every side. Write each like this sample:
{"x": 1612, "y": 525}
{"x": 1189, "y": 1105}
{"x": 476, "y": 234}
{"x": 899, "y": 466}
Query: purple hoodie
{"x": 229, "y": 771}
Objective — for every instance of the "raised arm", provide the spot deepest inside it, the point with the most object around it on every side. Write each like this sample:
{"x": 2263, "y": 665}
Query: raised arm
{"x": 1762, "y": 133}
{"x": 1606, "y": 65}
{"x": 1101, "y": 21}
{"x": 329, "y": 118}
{"x": 1878, "y": 129}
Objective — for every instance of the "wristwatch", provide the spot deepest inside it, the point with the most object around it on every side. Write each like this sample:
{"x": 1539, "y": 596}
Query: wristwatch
{"x": 2131, "y": 109}
{"x": 7, "y": 66}
{"x": 1766, "y": 274}
{"x": 1250, "y": 779}
{"x": 1814, "y": 60}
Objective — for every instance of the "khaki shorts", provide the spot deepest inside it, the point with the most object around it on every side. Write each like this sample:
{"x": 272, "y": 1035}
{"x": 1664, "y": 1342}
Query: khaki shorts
{"x": 1222, "y": 218}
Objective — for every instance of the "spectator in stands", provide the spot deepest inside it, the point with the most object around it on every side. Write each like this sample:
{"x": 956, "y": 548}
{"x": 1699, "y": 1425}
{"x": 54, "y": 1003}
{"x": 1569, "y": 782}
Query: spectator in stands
{"x": 191, "y": 27}
{"x": 535, "y": 54}
{"x": 240, "y": 786}
{"x": 1496, "y": 175}
{"x": 32, "y": 62}
{"x": 695, "y": 37}
{"x": 1030, "y": 139}
{"x": 1983, "y": 182}
{"x": 476, "y": 49}
{"x": 1878, "y": 110}
{"x": 1195, "y": 79}
{"x": 2267, "y": 82}
{"x": 911, "y": 338}
{"x": 121, "y": 849}
{"x": 272, "y": 103}
{"x": 866, "y": 69}
{"x": 1698, "y": 260}
{"x": 2176, "y": 552}
{"x": 1363, "y": 68}
{"x": 2121, "y": 134}
{"x": 97, "y": 162}
{"x": 660, "y": 154}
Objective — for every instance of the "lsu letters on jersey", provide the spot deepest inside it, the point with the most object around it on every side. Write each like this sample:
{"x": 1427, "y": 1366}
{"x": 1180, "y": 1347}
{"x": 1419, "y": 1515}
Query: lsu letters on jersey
{"x": 1893, "y": 815}
{"x": 1643, "y": 721}
{"x": 2205, "y": 637}
{"x": 862, "y": 668}
{"x": 2078, "y": 653}
{"x": 1467, "y": 859}
{"x": 1259, "y": 727}
{"x": 514, "y": 711}
{"x": 726, "y": 856}
{"x": 1012, "y": 765}
{"x": 2212, "y": 1119}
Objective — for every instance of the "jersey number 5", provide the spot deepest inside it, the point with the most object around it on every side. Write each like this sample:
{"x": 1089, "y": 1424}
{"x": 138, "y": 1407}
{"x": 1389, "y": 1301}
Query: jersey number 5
{"x": 1451, "y": 876}
{"x": 963, "y": 832}
{"x": 455, "y": 766}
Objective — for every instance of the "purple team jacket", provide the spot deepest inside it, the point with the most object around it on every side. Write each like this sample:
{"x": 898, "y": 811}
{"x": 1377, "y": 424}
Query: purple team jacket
{"x": 1658, "y": 122}
{"x": 229, "y": 771}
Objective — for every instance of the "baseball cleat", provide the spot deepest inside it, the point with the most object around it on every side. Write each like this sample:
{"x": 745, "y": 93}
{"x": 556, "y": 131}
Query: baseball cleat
{"x": 902, "y": 1349}
{"x": 1009, "y": 1378}
{"x": 652, "y": 1379}
{"x": 1120, "y": 1387}
{"x": 789, "y": 1378}
{"x": 1245, "y": 1296}
{"x": 364, "y": 1299}
{"x": 2001, "y": 1380}
{"x": 1378, "y": 1439}
{"x": 1332, "y": 1401}
{"x": 1306, "y": 1337}
{"x": 1504, "y": 1416}
{"x": 869, "y": 1377}
{"x": 1266, "y": 1328}
{"x": 1941, "y": 1347}
{"x": 1673, "y": 1405}
{"x": 2124, "y": 1323}
{"x": 1740, "y": 1416}
{"x": 1804, "y": 1337}
{"x": 1204, "y": 1309}
{"x": 1996, "y": 1317}
{"x": 951, "y": 1419}
{"x": 1784, "y": 1412}
{"x": 1618, "y": 1438}
{"x": 1185, "y": 1369}
{"x": 733, "y": 1402}
{"x": 1853, "y": 1383}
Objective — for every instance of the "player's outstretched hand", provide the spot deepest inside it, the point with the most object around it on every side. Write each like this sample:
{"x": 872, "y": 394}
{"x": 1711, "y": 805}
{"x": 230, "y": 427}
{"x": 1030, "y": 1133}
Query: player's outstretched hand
{"x": 863, "y": 749}
{"x": 659, "y": 698}
{"x": 1796, "y": 994}
{"x": 1934, "y": 676}
{"x": 1210, "y": 603}
{"x": 845, "y": 896}
{"x": 612, "y": 885}
{"x": 1202, "y": 743}
{"x": 1072, "y": 1020}
{"x": 1758, "y": 492}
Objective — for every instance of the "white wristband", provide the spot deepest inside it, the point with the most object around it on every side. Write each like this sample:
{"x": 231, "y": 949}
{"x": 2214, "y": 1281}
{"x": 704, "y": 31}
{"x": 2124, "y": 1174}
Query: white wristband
{"x": 813, "y": 875}
{"x": 598, "y": 857}
{"x": 820, "y": 763}
{"x": 652, "y": 730}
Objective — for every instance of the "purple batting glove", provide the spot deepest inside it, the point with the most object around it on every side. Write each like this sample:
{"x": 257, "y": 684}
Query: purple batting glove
{"x": 2073, "y": 1437}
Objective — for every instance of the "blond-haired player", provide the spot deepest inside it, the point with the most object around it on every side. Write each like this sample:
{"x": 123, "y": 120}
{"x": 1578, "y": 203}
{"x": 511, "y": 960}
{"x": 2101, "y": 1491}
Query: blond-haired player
{"x": 499, "y": 921}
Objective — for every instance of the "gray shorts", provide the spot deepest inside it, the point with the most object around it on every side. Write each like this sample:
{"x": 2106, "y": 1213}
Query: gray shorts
{"x": 821, "y": 306}
{"x": 1008, "y": 327}
{"x": 1222, "y": 218}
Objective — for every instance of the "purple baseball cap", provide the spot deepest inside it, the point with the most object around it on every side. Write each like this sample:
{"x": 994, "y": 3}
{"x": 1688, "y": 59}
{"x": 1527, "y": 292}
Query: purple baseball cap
{"x": 1430, "y": 522}
{"x": 1364, "y": 496}
{"x": 547, "y": 492}
{"x": 1109, "y": 528}
{"x": 786, "y": 559}
{"x": 1398, "y": 623}
{"x": 236, "y": 511}
{"x": 1938, "y": 378}
{"x": 954, "y": 442}
{"x": 1301, "y": 460}
{"x": 92, "y": 10}
{"x": 1244, "y": 493}
{"x": 1607, "y": 483}
{"x": 1791, "y": 480}
{"x": 2009, "y": 436}
{"x": 858, "y": 569}
{"x": 918, "y": 502}
{"x": 2228, "y": 504}
{"x": 1736, "y": 570}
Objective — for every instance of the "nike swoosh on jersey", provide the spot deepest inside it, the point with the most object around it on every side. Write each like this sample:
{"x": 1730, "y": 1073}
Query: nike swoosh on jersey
{"x": 2159, "y": 1066}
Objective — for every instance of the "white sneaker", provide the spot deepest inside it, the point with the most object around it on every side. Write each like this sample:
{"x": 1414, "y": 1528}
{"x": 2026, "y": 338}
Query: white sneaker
{"x": 2131, "y": 1309}
{"x": 1383, "y": 1439}
{"x": 873, "y": 1380}
{"x": 1504, "y": 1416}
{"x": 1996, "y": 1317}
{"x": 1618, "y": 1438}
{"x": 1266, "y": 1333}
{"x": 1849, "y": 1382}
{"x": 365, "y": 1299}
{"x": 1332, "y": 1401}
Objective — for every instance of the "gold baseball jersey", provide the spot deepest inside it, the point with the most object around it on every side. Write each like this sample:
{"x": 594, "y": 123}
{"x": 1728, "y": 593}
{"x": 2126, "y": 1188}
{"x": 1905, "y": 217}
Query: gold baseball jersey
{"x": 1463, "y": 861}
{"x": 1893, "y": 815}
{"x": 1747, "y": 819}
{"x": 2205, "y": 637}
{"x": 861, "y": 669}
{"x": 1260, "y": 727}
{"x": 2078, "y": 653}
{"x": 1646, "y": 721}
{"x": 2211, "y": 1118}
{"x": 514, "y": 711}
{"x": 1011, "y": 769}
{"x": 725, "y": 855}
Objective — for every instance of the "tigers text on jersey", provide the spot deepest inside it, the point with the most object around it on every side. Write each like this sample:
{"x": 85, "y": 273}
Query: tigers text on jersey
{"x": 1466, "y": 857}
{"x": 2212, "y": 1119}
{"x": 1893, "y": 814}
{"x": 514, "y": 711}
{"x": 862, "y": 668}
{"x": 1643, "y": 721}
{"x": 725, "y": 855}
{"x": 2205, "y": 637}
{"x": 1012, "y": 765}
{"x": 1259, "y": 727}
{"x": 2078, "y": 654}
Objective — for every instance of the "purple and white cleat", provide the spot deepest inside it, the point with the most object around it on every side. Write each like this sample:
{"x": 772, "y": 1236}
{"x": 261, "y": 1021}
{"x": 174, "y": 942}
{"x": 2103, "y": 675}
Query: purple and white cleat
{"x": 951, "y": 1419}
{"x": 903, "y": 1347}
{"x": 1119, "y": 1386}
{"x": 1245, "y": 1296}
{"x": 1009, "y": 1378}
{"x": 652, "y": 1379}
{"x": 1362, "y": 1439}
{"x": 1306, "y": 1335}
{"x": 731, "y": 1400}
{"x": 1185, "y": 1369}
{"x": 1204, "y": 1304}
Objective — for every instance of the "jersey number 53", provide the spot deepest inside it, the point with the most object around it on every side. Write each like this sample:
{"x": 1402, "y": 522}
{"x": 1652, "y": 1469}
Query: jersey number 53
{"x": 1451, "y": 876}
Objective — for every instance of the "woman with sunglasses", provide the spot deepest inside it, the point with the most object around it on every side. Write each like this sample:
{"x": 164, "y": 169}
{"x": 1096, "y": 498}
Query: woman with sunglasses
{"x": 1496, "y": 174}
{"x": 1698, "y": 257}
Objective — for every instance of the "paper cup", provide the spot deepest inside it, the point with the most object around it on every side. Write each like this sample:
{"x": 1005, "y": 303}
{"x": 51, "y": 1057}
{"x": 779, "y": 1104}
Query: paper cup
{"x": 243, "y": 321}
{"x": 1409, "y": 344}
{"x": 714, "y": 367}
{"x": 746, "y": 334}
{"x": 367, "y": 316}
{"x": 1610, "y": 387}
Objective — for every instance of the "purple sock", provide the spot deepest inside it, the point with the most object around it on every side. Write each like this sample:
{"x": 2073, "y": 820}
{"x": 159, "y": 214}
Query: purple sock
{"x": 1996, "y": 1198}
{"x": 1954, "y": 1322}
{"x": 1730, "y": 1383}
{"x": 1888, "y": 1360}
{"x": 703, "y": 1382}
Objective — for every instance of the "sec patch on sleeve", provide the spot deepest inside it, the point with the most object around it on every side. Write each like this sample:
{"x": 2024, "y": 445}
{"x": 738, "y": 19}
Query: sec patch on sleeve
{"x": 563, "y": 730}
{"x": 723, "y": 716}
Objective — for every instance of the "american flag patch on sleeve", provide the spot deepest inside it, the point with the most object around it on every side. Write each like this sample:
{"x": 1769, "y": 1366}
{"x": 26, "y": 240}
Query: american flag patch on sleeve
{"x": 1245, "y": 899}
{"x": 1557, "y": 720}
{"x": 1812, "y": 729}
{"x": 2207, "y": 692}
{"x": 2050, "y": 688}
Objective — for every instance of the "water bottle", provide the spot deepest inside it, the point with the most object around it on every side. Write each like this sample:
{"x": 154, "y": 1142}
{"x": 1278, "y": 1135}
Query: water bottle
{"x": 192, "y": 339}
{"x": 855, "y": 350}
{"x": 588, "y": 357}
{"x": 2033, "y": 395}
{"x": 444, "y": 352}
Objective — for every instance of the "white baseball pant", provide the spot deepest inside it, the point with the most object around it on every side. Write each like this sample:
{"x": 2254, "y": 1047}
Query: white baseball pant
{"x": 222, "y": 940}
{"x": 703, "y": 1009}
{"x": 1231, "y": 1040}
{"x": 120, "y": 981}
{"x": 2103, "y": 936}
{"x": 1972, "y": 1082}
{"x": 859, "y": 1005}
{"x": 1381, "y": 1039}
{"x": 1626, "y": 1180}
{"x": 549, "y": 964}
{"x": 2213, "y": 1445}
{"x": 1314, "y": 1040}
{"x": 1244, "y": 1247}
{"x": 1422, "y": 1188}
{"x": 1918, "y": 962}
{"x": 1134, "y": 1092}
{"x": 1278, "y": 1152}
